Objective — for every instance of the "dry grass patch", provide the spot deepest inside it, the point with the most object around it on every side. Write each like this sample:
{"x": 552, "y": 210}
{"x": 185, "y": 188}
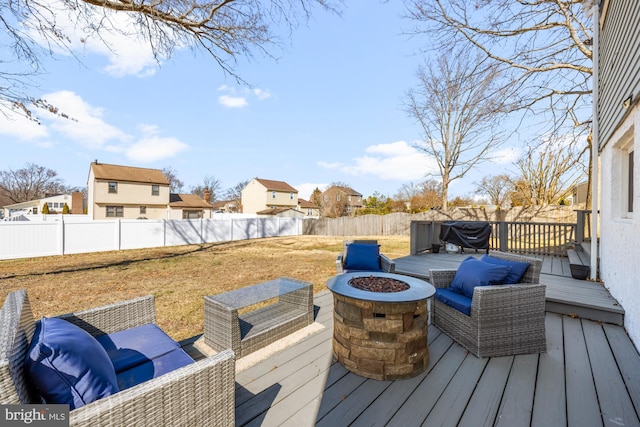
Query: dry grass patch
{"x": 179, "y": 276}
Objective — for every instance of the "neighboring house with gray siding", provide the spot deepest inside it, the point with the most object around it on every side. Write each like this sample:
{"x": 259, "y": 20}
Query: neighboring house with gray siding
{"x": 619, "y": 132}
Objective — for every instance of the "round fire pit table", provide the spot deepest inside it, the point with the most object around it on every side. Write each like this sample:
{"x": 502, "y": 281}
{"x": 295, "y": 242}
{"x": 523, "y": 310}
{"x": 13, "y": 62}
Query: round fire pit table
{"x": 380, "y": 324}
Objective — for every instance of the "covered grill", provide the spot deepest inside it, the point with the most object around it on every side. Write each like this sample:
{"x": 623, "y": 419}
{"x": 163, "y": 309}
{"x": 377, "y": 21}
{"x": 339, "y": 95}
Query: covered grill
{"x": 466, "y": 234}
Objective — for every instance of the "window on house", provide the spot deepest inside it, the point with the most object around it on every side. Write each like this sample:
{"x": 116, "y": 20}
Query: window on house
{"x": 186, "y": 214}
{"x": 155, "y": 190}
{"x": 291, "y": 196}
{"x": 115, "y": 211}
{"x": 338, "y": 197}
{"x": 273, "y": 194}
{"x": 113, "y": 187}
{"x": 623, "y": 170}
{"x": 143, "y": 210}
{"x": 630, "y": 176}
{"x": 50, "y": 204}
{"x": 35, "y": 211}
{"x": 326, "y": 198}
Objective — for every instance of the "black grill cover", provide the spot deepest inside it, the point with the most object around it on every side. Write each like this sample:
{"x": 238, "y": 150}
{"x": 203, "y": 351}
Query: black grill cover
{"x": 468, "y": 234}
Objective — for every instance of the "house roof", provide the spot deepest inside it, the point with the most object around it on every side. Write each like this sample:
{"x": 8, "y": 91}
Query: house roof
{"x": 276, "y": 185}
{"x": 345, "y": 190}
{"x": 306, "y": 204}
{"x": 187, "y": 201}
{"x": 128, "y": 173}
{"x": 277, "y": 211}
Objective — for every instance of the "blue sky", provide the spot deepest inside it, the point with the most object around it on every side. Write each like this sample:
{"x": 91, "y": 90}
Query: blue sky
{"x": 329, "y": 109}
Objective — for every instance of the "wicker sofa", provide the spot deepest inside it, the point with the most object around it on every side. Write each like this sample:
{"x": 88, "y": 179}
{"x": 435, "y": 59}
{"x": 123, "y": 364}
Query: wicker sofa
{"x": 384, "y": 263}
{"x": 504, "y": 319}
{"x": 199, "y": 394}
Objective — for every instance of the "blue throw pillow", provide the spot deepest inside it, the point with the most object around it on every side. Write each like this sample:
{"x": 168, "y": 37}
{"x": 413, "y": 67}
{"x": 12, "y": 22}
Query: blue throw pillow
{"x": 361, "y": 256}
{"x": 473, "y": 272}
{"x": 66, "y": 365}
{"x": 518, "y": 268}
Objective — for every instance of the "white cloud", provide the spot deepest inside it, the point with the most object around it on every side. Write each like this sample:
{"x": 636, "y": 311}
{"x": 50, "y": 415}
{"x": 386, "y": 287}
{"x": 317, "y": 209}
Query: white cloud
{"x": 395, "y": 161}
{"x": 305, "y": 190}
{"x": 152, "y": 147}
{"x": 261, "y": 94}
{"x": 507, "y": 155}
{"x": 14, "y": 124}
{"x": 126, "y": 51}
{"x": 85, "y": 123}
{"x": 232, "y": 101}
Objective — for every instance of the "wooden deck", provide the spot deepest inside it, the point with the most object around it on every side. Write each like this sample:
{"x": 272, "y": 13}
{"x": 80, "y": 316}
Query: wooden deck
{"x": 565, "y": 295}
{"x": 589, "y": 376}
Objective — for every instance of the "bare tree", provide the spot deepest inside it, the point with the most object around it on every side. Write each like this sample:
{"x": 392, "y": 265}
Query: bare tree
{"x": 542, "y": 48}
{"x": 548, "y": 171}
{"x": 210, "y": 183}
{"x": 497, "y": 188}
{"x": 223, "y": 29}
{"x": 175, "y": 185}
{"x": 458, "y": 106}
{"x": 29, "y": 183}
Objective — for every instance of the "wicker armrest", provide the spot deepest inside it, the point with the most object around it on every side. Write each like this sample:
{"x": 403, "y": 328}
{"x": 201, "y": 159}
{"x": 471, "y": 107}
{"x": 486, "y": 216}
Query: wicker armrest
{"x": 441, "y": 278}
{"x": 387, "y": 264}
{"x": 339, "y": 264}
{"x": 115, "y": 317}
{"x": 508, "y": 301}
{"x": 199, "y": 394}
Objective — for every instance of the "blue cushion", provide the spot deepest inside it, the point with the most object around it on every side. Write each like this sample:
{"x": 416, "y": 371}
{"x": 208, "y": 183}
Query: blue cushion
{"x": 472, "y": 272}
{"x": 453, "y": 299}
{"x": 134, "y": 346}
{"x": 66, "y": 365}
{"x": 153, "y": 368}
{"x": 518, "y": 268}
{"x": 362, "y": 256}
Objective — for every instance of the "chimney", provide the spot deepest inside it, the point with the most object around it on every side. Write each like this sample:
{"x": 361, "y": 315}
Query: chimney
{"x": 207, "y": 196}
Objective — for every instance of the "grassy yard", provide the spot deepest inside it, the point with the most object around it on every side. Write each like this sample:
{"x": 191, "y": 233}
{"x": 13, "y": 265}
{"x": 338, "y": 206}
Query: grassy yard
{"x": 179, "y": 277}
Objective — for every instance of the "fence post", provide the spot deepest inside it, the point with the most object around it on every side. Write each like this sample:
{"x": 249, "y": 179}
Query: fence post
{"x": 61, "y": 248}
{"x": 503, "y": 236}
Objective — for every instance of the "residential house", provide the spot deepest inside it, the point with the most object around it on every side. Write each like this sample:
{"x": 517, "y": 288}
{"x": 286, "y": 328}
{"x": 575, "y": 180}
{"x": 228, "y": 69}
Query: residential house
{"x": 618, "y": 129}
{"x": 188, "y": 206}
{"x": 281, "y": 212}
{"x": 308, "y": 208}
{"x": 55, "y": 203}
{"x": 340, "y": 201}
{"x": 225, "y": 206}
{"x": 262, "y": 194}
{"x": 116, "y": 191}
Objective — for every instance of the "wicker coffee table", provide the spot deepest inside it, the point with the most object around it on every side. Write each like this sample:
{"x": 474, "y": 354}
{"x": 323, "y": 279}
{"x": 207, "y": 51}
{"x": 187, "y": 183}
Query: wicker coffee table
{"x": 289, "y": 308}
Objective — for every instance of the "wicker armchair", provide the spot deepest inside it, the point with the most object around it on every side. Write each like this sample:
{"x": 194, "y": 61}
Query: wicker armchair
{"x": 386, "y": 264}
{"x": 199, "y": 394}
{"x": 504, "y": 320}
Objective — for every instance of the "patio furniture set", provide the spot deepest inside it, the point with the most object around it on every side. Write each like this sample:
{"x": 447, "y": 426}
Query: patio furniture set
{"x": 113, "y": 366}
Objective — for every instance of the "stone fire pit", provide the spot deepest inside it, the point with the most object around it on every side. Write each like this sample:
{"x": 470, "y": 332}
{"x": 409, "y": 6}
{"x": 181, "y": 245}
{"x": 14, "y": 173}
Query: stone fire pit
{"x": 380, "y": 324}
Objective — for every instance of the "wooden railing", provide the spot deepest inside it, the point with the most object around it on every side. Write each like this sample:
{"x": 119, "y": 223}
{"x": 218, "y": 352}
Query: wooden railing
{"x": 534, "y": 238}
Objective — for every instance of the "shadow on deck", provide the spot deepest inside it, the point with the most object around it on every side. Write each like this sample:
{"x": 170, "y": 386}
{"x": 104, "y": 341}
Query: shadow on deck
{"x": 589, "y": 376}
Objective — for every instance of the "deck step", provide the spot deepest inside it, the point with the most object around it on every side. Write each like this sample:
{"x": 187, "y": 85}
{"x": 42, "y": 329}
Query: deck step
{"x": 579, "y": 264}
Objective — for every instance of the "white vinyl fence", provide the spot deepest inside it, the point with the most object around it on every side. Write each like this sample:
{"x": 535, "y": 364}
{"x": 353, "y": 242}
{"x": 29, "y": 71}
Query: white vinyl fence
{"x": 26, "y": 239}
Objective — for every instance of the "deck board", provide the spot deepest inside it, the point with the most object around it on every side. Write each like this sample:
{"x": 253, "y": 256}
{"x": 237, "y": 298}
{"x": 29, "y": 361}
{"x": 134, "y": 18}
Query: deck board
{"x": 549, "y": 405}
{"x": 589, "y": 368}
